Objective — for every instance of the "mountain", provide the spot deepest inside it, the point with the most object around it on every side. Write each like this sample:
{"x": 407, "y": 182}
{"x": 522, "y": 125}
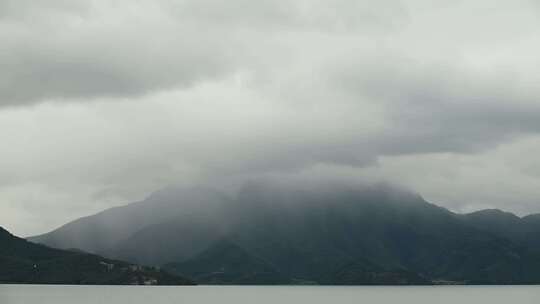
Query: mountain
{"x": 523, "y": 230}
{"x": 227, "y": 263}
{"x": 364, "y": 272}
{"x": 25, "y": 262}
{"x": 329, "y": 233}
{"x": 114, "y": 229}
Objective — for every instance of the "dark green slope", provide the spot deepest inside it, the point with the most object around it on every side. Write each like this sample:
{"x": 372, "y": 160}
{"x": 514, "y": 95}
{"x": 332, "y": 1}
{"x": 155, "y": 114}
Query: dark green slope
{"x": 226, "y": 263}
{"x": 28, "y": 263}
{"x": 524, "y": 230}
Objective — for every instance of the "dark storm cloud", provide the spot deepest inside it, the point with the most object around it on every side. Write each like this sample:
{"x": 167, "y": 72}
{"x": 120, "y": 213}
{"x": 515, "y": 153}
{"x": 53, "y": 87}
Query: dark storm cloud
{"x": 101, "y": 69}
{"x": 77, "y": 51}
{"x": 82, "y": 50}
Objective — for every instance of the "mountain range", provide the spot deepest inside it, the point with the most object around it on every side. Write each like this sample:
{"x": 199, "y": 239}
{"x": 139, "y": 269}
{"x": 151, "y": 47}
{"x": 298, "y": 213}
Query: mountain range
{"x": 327, "y": 233}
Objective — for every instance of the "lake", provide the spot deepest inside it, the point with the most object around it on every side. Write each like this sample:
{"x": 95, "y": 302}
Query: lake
{"x": 25, "y": 294}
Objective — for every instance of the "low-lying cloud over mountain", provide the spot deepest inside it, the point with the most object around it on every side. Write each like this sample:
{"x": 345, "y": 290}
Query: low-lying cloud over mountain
{"x": 102, "y": 103}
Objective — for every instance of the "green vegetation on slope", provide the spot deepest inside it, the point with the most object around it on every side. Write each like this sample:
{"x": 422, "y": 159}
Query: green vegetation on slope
{"x": 27, "y": 263}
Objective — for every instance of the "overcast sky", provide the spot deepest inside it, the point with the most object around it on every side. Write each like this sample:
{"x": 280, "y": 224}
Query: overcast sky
{"x": 103, "y": 102}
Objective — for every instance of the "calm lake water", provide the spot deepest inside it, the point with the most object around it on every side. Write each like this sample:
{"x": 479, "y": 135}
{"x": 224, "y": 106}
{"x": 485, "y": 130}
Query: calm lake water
{"x": 25, "y": 294}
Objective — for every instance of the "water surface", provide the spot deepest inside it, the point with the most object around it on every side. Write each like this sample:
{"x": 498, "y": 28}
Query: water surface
{"x": 26, "y": 294}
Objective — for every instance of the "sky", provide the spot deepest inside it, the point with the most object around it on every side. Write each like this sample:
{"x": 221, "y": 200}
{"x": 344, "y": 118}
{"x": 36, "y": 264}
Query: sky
{"x": 104, "y": 102}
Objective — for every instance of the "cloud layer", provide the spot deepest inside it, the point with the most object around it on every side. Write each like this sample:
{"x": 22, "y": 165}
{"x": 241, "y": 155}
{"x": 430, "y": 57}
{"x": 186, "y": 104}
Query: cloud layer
{"x": 102, "y": 103}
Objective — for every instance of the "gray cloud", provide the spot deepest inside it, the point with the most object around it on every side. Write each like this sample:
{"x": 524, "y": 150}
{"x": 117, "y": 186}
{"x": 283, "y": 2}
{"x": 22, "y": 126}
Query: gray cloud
{"x": 102, "y": 103}
{"x": 83, "y": 50}
{"x": 88, "y": 53}
{"x": 440, "y": 107}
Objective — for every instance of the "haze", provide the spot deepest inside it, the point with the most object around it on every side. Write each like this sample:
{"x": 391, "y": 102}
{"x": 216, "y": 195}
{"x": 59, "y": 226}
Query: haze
{"x": 102, "y": 103}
